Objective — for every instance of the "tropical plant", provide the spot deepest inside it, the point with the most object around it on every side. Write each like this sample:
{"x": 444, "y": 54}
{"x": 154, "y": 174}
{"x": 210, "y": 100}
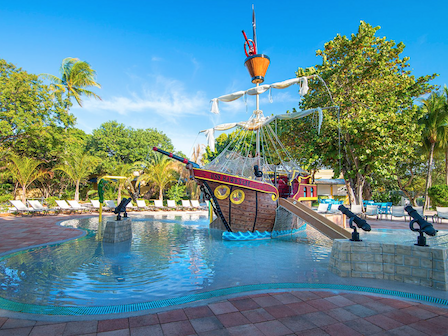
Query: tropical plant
{"x": 25, "y": 171}
{"x": 76, "y": 76}
{"x": 435, "y": 128}
{"x": 77, "y": 165}
{"x": 176, "y": 192}
{"x": 438, "y": 195}
{"x": 158, "y": 172}
{"x": 372, "y": 125}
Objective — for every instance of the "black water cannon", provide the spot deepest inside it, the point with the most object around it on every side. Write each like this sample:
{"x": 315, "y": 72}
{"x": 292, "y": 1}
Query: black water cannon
{"x": 122, "y": 208}
{"x": 361, "y": 223}
{"x": 257, "y": 171}
{"x": 425, "y": 226}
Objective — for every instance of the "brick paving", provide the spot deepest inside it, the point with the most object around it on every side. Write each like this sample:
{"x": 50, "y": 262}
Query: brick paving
{"x": 286, "y": 313}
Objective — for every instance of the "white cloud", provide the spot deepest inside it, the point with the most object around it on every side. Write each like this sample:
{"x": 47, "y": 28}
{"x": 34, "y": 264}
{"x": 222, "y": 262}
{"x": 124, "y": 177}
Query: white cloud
{"x": 164, "y": 97}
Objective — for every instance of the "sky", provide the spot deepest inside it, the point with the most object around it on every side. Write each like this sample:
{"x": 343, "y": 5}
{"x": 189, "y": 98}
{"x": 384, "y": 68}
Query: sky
{"x": 160, "y": 63}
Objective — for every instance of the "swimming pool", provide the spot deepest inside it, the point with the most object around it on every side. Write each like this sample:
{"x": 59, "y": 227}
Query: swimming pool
{"x": 168, "y": 256}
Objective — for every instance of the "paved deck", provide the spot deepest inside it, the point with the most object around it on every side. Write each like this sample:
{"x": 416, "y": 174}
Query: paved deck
{"x": 276, "y": 313}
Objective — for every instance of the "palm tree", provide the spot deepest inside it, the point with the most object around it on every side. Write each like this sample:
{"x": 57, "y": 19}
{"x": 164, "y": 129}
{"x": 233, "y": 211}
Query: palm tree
{"x": 127, "y": 170}
{"x": 24, "y": 171}
{"x": 77, "y": 165}
{"x": 434, "y": 121}
{"x": 76, "y": 75}
{"x": 159, "y": 172}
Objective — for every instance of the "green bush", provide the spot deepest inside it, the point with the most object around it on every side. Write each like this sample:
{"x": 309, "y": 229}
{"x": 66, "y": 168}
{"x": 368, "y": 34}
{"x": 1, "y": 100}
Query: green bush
{"x": 386, "y": 196}
{"x": 439, "y": 195}
{"x": 51, "y": 201}
{"x": 177, "y": 192}
{"x": 5, "y": 198}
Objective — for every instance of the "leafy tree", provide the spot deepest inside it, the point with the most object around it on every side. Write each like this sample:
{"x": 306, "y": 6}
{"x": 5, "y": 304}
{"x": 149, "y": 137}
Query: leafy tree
{"x": 77, "y": 165}
{"x": 115, "y": 143}
{"x": 435, "y": 127}
{"x": 439, "y": 195}
{"x": 159, "y": 172}
{"x": 27, "y": 107}
{"x": 374, "y": 92}
{"x": 76, "y": 76}
{"x": 25, "y": 171}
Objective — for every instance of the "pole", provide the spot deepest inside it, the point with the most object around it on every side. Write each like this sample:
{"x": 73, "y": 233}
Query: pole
{"x": 257, "y": 154}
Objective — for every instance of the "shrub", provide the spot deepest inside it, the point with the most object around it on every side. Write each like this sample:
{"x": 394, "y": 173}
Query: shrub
{"x": 438, "y": 195}
{"x": 51, "y": 201}
{"x": 177, "y": 192}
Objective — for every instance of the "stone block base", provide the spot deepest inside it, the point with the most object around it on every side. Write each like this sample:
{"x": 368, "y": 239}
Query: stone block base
{"x": 117, "y": 231}
{"x": 424, "y": 266}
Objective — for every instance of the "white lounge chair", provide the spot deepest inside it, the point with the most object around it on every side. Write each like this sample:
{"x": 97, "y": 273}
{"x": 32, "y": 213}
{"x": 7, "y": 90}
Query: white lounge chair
{"x": 195, "y": 204}
{"x": 22, "y": 208}
{"x": 397, "y": 211}
{"x": 322, "y": 208}
{"x": 442, "y": 213}
{"x": 158, "y": 204}
{"x": 371, "y": 210}
{"x": 77, "y": 206}
{"x": 356, "y": 209}
{"x": 96, "y": 205}
{"x": 141, "y": 205}
{"x": 130, "y": 207}
{"x": 186, "y": 205}
{"x": 36, "y": 205}
{"x": 110, "y": 204}
{"x": 172, "y": 204}
{"x": 63, "y": 206}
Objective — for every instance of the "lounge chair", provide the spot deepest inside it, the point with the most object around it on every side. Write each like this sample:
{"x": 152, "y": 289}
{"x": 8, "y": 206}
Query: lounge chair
{"x": 356, "y": 209}
{"x": 141, "y": 205}
{"x": 131, "y": 207}
{"x": 77, "y": 206}
{"x": 172, "y": 205}
{"x": 442, "y": 213}
{"x": 371, "y": 210}
{"x": 195, "y": 204}
{"x": 322, "y": 208}
{"x": 63, "y": 206}
{"x": 397, "y": 211}
{"x": 36, "y": 205}
{"x": 22, "y": 208}
{"x": 96, "y": 205}
{"x": 158, "y": 204}
{"x": 186, "y": 205}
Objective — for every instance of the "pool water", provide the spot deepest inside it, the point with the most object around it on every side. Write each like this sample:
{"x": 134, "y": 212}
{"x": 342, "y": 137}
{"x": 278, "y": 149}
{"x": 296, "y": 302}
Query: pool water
{"x": 168, "y": 256}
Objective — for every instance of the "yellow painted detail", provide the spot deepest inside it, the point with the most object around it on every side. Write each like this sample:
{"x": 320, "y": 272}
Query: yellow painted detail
{"x": 237, "y": 196}
{"x": 222, "y": 192}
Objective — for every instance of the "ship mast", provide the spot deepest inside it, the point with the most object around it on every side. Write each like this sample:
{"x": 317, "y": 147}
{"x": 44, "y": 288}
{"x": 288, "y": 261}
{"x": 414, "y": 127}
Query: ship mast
{"x": 257, "y": 64}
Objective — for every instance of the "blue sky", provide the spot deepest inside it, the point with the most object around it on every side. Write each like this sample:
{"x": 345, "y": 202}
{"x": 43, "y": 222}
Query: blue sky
{"x": 160, "y": 63}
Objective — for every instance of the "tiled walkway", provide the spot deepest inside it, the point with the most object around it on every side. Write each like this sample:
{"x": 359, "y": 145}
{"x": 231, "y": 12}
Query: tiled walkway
{"x": 285, "y": 313}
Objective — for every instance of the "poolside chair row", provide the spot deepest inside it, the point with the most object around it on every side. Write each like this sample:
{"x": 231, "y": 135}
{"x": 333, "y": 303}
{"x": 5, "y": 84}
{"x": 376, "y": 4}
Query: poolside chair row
{"x": 37, "y": 208}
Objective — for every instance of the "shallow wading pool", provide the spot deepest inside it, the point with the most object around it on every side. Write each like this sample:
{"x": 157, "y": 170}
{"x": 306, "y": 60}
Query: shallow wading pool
{"x": 170, "y": 260}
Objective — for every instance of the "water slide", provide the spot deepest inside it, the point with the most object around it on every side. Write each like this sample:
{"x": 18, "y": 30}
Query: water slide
{"x": 316, "y": 220}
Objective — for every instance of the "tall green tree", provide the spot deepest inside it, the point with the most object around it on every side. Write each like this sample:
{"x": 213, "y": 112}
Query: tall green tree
{"x": 77, "y": 165}
{"x": 76, "y": 76}
{"x": 159, "y": 172}
{"x": 27, "y": 107}
{"x": 115, "y": 144}
{"x": 373, "y": 126}
{"x": 25, "y": 171}
{"x": 435, "y": 125}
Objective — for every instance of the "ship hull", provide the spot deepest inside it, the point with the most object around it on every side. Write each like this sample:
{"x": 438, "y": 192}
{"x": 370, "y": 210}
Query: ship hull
{"x": 243, "y": 204}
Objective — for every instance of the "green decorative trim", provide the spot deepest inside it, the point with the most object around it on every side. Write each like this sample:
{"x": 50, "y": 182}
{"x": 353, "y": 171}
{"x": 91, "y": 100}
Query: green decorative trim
{"x": 127, "y": 308}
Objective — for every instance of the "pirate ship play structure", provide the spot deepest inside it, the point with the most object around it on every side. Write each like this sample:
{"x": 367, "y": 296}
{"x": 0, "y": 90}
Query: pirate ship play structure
{"x": 246, "y": 180}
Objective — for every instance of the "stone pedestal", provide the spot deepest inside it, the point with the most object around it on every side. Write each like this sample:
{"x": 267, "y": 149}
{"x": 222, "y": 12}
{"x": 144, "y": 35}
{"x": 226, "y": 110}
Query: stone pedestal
{"x": 117, "y": 231}
{"x": 424, "y": 266}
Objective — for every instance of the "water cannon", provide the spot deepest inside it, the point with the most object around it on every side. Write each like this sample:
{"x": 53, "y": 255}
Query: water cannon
{"x": 361, "y": 223}
{"x": 257, "y": 171}
{"x": 122, "y": 208}
{"x": 424, "y": 226}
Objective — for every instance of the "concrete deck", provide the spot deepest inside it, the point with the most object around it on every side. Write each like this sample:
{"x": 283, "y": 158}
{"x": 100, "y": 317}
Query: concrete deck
{"x": 294, "y": 312}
